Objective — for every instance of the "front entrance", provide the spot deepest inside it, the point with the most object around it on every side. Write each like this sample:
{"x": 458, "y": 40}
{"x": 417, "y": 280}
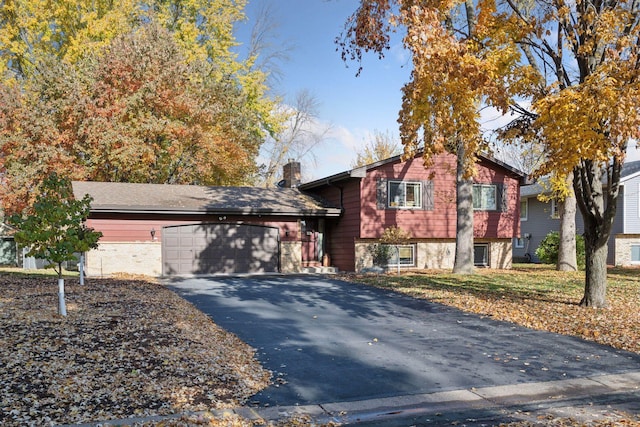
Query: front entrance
{"x": 312, "y": 242}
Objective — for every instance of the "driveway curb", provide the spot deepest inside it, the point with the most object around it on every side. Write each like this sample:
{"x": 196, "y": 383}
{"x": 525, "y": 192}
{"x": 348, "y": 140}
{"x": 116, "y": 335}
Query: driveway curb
{"x": 545, "y": 397}
{"x": 582, "y": 399}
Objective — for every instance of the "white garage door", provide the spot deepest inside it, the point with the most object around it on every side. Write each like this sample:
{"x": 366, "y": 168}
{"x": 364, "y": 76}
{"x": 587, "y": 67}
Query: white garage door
{"x": 219, "y": 249}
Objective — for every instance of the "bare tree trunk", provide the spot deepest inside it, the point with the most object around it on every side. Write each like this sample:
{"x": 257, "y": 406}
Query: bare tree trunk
{"x": 567, "y": 259}
{"x": 595, "y": 290}
{"x": 463, "y": 263}
{"x": 598, "y": 209}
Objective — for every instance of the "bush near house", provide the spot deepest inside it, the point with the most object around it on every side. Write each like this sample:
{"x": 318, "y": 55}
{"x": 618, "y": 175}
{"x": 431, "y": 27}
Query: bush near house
{"x": 548, "y": 250}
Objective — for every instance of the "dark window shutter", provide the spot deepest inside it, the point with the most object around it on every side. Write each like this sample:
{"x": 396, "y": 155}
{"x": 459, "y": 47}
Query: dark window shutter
{"x": 503, "y": 197}
{"x": 381, "y": 194}
{"x": 427, "y": 195}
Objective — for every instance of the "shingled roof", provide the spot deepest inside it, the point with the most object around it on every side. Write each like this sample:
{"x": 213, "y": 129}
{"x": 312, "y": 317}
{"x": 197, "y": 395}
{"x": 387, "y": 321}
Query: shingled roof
{"x": 112, "y": 197}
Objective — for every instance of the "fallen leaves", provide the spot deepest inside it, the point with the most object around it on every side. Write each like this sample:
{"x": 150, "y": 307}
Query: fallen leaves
{"x": 127, "y": 348}
{"x": 536, "y": 297}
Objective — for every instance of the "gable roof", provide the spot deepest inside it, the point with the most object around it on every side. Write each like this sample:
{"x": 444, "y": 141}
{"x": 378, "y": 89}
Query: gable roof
{"x": 361, "y": 172}
{"x": 116, "y": 197}
{"x": 629, "y": 170}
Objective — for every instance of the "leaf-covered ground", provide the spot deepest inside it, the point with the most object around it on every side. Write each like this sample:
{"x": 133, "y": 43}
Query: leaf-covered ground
{"x": 535, "y": 296}
{"x": 127, "y": 348}
{"x": 133, "y": 348}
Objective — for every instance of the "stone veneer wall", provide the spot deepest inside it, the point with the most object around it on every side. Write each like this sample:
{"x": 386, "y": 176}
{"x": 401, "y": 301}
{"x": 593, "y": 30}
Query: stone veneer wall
{"x": 438, "y": 254}
{"x": 146, "y": 258}
{"x": 133, "y": 258}
{"x": 623, "y": 243}
{"x": 290, "y": 257}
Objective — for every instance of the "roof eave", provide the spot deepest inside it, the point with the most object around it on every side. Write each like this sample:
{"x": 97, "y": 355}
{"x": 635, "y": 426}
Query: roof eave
{"x": 328, "y": 212}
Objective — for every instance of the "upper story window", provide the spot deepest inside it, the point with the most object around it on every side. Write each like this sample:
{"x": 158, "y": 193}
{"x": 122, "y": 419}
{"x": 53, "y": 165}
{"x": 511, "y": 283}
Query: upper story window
{"x": 524, "y": 209}
{"x": 405, "y": 195}
{"x": 485, "y": 197}
{"x": 398, "y": 194}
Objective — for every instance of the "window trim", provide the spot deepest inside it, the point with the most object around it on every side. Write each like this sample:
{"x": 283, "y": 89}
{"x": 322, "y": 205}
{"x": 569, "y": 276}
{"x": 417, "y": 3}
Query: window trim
{"x": 526, "y": 204}
{"x": 404, "y": 183}
{"x": 488, "y": 256}
{"x": 555, "y": 212}
{"x": 518, "y": 242}
{"x": 495, "y": 197}
{"x": 393, "y": 254}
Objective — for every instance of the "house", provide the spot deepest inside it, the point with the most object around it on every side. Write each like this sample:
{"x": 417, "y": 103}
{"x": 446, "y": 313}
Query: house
{"x": 181, "y": 229}
{"x": 538, "y": 218}
{"x": 422, "y": 202}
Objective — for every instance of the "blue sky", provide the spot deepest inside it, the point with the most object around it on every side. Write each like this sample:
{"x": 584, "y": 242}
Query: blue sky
{"x": 354, "y": 106}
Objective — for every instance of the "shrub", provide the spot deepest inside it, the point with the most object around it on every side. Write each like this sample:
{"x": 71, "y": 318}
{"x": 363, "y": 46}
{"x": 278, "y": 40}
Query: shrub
{"x": 380, "y": 254}
{"x": 547, "y": 252}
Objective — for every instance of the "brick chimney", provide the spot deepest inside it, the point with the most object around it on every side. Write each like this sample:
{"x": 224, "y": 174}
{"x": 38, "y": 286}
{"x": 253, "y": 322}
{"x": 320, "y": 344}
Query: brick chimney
{"x": 291, "y": 174}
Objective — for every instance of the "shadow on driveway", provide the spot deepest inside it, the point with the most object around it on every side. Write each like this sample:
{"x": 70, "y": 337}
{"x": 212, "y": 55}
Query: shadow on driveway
{"x": 326, "y": 340}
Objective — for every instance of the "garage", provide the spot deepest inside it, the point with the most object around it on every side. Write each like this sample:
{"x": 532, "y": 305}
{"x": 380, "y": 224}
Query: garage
{"x": 201, "y": 249}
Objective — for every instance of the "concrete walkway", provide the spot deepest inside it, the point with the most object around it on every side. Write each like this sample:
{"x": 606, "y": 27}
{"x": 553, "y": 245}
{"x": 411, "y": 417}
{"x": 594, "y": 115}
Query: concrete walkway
{"x": 354, "y": 353}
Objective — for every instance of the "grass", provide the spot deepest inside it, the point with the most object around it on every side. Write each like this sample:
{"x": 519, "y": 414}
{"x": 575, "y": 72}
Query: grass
{"x": 535, "y": 296}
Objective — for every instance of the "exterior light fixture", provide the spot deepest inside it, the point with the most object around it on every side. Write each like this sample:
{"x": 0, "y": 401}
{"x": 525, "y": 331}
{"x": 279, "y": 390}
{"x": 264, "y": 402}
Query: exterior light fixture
{"x": 153, "y": 234}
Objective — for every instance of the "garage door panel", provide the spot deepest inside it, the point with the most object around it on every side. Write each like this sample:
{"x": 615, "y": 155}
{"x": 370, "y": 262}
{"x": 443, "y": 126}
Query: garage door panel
{"x": 220, "y": 249}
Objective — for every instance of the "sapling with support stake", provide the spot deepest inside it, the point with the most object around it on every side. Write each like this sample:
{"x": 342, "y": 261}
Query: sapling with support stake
{"x": 54, "y": 228}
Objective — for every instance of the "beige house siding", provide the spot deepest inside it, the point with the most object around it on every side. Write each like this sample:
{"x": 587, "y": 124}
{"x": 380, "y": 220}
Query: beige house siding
{"x": 145, "y": 258}
{"x": 120, "y": 257}
{"x": 291, "y": 257}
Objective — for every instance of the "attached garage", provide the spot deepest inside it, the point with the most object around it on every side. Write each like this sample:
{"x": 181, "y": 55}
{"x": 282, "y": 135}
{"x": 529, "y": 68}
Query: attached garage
{"x": 220, "y": 249}
{"x": 172, "y": 230}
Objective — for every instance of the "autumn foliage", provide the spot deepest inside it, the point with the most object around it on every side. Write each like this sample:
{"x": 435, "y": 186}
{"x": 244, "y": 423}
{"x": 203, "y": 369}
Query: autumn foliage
{"x": 128, "y": 92}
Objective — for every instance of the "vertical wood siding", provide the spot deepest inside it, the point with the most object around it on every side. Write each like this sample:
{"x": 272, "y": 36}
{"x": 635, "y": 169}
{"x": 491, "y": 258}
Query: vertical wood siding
{"x": 342, "y": 232}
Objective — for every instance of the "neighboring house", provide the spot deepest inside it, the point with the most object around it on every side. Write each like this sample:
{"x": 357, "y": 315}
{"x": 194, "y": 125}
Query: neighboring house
{"x": 183, "y": 230}
{"x": 8, "y": 248}
{"x": 538, "y": 218}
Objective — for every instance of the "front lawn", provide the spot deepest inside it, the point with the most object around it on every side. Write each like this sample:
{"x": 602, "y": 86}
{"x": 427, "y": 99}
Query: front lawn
{"x": 126, "y": 348}
{"x": 535, "y": 296}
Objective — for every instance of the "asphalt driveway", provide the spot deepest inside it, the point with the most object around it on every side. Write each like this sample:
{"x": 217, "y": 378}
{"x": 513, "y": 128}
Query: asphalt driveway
{"x": 330, "y": 341}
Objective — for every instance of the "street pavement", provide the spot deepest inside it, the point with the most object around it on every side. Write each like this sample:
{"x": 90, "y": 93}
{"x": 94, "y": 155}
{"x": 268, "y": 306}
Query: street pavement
{"x": 355, "y": 354}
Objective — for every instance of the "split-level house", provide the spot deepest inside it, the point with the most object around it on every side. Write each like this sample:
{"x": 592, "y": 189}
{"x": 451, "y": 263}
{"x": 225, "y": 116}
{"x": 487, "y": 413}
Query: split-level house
{"x": 330, "y": 222}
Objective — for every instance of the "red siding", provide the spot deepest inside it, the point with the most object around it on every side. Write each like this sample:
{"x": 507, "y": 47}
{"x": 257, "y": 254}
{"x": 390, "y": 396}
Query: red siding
{"x": 137, "y": 228}
{"x": 342, "y": 232}
{"x": 440, "y": 222}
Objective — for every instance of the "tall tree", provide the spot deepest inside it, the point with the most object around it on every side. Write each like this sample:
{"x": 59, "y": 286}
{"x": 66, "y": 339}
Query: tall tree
{"x": 299, "y": 135}
{"x": 136, "y": 112}
{"x": 463, "y": 56}
{"x": 587, "y": 54}
{"x": 202, "y": 121}
{"x": 380, "y": 147}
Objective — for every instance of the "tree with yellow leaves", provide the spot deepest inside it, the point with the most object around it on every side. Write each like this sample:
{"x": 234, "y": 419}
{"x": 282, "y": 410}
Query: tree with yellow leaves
{"x": 578, "y": 62}
{"x": 135, "y": 91}
{"x": 464, "y": 56}
{"x": 587, "y": 109}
